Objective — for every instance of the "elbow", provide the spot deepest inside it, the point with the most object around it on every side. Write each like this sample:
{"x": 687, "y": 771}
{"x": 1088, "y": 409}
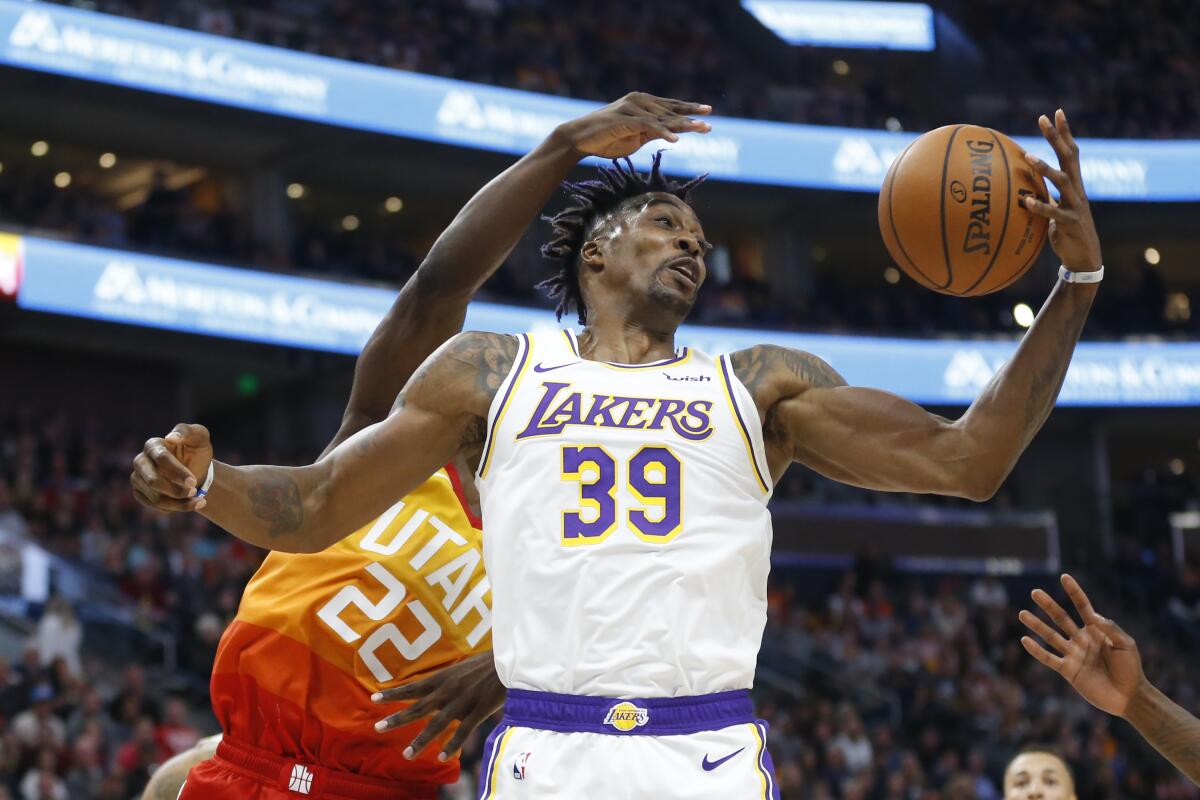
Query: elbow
{"x": 979, "y": 491}
{"x": 981, "y": 480}
{"x": 436, "y": 282}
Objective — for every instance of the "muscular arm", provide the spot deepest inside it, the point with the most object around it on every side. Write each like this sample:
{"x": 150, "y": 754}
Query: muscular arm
{"x": 877, "y": 440}
{"x": 1170, "y": 729}
{"x": 440, "y": 413}
{"x": 433, "y": 303}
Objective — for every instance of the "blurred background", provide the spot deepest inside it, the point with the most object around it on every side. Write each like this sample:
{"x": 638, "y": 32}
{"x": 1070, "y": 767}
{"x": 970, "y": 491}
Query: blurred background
{"x": 205, "y": 207}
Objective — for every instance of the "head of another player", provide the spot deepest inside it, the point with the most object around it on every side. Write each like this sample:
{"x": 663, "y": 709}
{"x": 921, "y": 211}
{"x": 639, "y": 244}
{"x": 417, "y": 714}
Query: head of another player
{"x": 1038, "y": 773}
{"x": 628, "y": 243}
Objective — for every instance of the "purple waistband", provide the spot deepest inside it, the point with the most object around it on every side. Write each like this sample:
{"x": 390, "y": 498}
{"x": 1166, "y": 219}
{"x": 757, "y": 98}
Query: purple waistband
{"x": 654, "y": 716}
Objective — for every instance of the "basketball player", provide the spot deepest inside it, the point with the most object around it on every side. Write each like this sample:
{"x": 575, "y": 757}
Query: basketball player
{"x": 1038, "y": 773}
{"x": 625, "y": 483}
{"x": 1102, "y": 663}
{"x": 403, "y": 596}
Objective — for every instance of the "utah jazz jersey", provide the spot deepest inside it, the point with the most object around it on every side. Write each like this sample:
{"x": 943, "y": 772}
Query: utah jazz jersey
{"x": 628, "y": 535}
{"x": 317, "y": 634}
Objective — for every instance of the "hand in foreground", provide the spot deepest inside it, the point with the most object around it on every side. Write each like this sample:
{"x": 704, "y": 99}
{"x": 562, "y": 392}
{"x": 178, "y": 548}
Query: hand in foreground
{"x": 621, "y": 128}
{"x": 1072, "y": 231}
{"x": 1099, "y": 660}
{"x": 467, "y": 693}
{"x": 168, "y": 470}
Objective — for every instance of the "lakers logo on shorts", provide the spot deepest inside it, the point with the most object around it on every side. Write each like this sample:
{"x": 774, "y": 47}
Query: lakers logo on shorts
{"x": 626, "y": 716}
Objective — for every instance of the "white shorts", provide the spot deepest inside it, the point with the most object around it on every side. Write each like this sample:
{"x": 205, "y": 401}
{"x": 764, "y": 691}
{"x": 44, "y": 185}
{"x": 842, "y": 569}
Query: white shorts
{"x": 595, "y": 748}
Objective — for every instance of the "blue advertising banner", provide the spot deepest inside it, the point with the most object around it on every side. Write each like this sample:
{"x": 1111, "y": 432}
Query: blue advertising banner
{"x": 867, "y": 24}
{"x": 175, "y": 295}
{"x": 156, "y": 58}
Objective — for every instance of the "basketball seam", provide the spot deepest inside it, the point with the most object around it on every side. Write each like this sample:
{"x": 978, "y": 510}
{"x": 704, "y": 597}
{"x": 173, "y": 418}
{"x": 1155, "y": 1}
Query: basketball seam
{"x": 1007, "y": 213}
{"x": 892, "y": 217}
{"x": 1032, "y": 255}
{"x": 945, "y": 246}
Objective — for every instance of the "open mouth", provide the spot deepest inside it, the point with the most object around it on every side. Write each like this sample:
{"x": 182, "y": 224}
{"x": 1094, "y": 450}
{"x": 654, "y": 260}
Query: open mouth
{"x": 687, "y": 268}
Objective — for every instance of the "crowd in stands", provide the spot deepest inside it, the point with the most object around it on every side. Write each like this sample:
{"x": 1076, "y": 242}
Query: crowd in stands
{"x": 199, "y": 221}
{"x": 920, "y": 689}
{"x": 73, "y": 725}
{"x": 1128, "y": 70}
{"x": 894, "y": 686}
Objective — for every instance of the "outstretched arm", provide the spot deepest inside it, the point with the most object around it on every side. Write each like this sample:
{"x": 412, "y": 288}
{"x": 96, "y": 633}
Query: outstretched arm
{"x": 432, "y": 305}
{"x": 1102, "y": 663}
{"x": 810, "y": 415}
{"x": 440, "y": 413}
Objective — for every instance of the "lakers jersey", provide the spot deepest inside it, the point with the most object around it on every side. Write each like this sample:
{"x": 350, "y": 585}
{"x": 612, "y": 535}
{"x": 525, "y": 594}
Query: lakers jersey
{"x": 628, "y": 536}
{"x": 317, "y": 634}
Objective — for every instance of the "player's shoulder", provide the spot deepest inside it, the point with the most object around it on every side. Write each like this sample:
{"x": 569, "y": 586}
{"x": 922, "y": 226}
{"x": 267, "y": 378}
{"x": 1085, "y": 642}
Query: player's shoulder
{"x": 770, "y": 368}
{"x": 481, "y": 347}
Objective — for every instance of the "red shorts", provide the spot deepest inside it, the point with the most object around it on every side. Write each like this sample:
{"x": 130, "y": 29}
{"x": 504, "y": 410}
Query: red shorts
{"x": 239, "y": 772}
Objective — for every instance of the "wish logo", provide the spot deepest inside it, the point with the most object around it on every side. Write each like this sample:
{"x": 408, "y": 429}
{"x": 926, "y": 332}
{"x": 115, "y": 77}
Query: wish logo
{"x": 626, "y": 716}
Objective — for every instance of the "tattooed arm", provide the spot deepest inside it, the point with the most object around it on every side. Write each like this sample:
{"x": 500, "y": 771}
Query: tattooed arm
{"x": 880, "y": 441}
{"x": 1168, "y": 728}
{"x": 1101, "y": 662}
{"x": 877, "y": 440}
{"x": 441, "y": 412}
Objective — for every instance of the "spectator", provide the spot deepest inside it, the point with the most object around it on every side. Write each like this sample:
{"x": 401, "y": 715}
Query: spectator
{"x": 59, "y": 636}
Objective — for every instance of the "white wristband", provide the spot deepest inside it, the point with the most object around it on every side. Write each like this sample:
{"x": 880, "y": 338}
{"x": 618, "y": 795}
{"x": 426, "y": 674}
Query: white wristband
{"x": 1094, "y": 276}
{"x": 203, "y": 490}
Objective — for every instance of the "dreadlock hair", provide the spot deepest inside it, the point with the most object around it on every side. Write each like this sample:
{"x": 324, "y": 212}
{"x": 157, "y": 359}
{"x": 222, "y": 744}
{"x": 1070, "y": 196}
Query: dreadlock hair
{"x": 593, "y": 199}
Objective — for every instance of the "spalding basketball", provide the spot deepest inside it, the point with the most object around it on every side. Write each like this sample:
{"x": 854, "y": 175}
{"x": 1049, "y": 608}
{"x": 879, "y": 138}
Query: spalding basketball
{"x": 952, "y": 213}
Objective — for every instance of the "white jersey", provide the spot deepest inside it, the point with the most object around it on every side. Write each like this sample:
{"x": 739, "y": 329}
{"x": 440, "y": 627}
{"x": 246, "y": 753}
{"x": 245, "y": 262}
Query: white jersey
{"x": 627, "y": 537}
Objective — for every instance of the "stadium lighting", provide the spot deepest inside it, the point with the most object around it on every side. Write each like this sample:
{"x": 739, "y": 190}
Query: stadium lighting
{"x": 1, "y": 167}
{"x": 893, "y": 125}
{"x": 393, "y": 204}
{"x": 39, "y": 148}
{"x": 108, "y": 160}
{"x": 1176, "y": 466}
{"x": 1152, "y": 256}
{"x": 296, "y": 190}
{"x": 840, "y": 67}
{"x": 62, "y": 180}
{"x": 1023, "y": 315}
{"x": 349, "y": 223}
{"x": 891, "y": 275}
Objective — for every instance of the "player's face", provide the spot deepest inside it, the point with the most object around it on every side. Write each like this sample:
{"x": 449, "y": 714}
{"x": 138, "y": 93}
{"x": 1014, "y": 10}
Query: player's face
{"x": 1038, "y": 776}
{"x": 657, "y": 253}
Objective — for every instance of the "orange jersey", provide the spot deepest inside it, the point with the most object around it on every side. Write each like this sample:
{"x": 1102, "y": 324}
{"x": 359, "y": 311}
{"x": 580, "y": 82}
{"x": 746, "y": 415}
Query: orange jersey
{"x": 317, "y": 634}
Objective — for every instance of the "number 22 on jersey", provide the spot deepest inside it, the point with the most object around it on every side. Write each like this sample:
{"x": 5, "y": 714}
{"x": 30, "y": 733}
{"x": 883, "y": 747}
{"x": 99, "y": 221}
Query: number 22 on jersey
{"x": 654, "y": 477}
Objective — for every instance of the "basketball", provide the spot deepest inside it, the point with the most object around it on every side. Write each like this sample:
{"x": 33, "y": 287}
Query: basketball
{"x": 952, "y": 215}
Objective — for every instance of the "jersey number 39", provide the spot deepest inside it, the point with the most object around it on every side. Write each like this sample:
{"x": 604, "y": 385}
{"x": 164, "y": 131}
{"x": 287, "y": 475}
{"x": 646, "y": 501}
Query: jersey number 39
{"x": 655, "y": 480}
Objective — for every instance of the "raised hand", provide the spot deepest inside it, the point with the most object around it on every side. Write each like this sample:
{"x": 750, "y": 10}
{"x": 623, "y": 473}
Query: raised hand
{"x": 467, "y": 693}
{"x": 1072, "y": 231}
{"x": 621, "y": 128}
{"x": 1099, "y": 660}
{"x": 169, "y": 468}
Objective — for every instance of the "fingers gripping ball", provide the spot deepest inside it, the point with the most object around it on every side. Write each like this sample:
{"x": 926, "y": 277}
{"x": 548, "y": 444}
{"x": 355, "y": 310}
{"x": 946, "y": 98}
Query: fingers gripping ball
{"x": 952, "y": 213}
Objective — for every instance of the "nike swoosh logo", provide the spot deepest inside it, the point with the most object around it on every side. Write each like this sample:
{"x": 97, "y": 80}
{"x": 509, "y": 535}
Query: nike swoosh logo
{"x": 709, "y": 766}
{"x": 540, "y": 368}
